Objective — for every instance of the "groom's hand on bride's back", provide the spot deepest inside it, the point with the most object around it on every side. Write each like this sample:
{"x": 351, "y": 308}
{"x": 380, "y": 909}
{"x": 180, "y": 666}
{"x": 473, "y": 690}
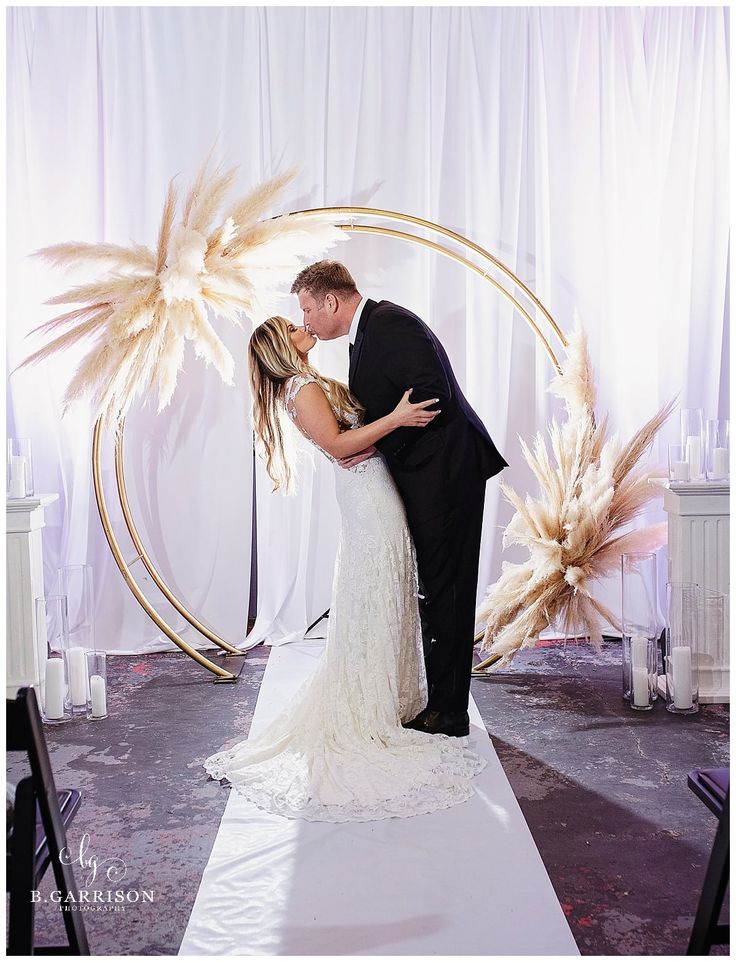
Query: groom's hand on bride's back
{"x": 357, "y": 458}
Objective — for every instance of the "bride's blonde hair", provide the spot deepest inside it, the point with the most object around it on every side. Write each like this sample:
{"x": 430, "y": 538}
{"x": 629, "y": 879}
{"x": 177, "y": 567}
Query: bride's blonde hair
{"x": 272, "y": 360}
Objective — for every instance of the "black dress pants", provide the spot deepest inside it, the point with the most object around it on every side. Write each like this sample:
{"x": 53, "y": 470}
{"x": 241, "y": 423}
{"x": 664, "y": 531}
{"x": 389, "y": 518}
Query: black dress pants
{"x": 448, "y": 553}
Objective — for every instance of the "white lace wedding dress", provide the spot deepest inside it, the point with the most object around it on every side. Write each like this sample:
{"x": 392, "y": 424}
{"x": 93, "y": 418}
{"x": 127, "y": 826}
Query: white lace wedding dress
{"x": 338, "y": 752}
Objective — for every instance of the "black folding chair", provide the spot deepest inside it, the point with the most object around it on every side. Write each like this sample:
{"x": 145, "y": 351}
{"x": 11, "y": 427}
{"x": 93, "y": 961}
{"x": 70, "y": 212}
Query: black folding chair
{"x": 40, "y": 816}
{"x": 711, "y": 785}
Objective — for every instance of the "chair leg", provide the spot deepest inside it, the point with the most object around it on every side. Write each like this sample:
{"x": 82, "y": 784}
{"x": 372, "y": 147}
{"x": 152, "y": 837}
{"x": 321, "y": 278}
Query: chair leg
{"x": 706, "y": 930}
{"x": 23, "y": 842}
{"x": 75, "y": 930}
{"x": 66, "y": 884}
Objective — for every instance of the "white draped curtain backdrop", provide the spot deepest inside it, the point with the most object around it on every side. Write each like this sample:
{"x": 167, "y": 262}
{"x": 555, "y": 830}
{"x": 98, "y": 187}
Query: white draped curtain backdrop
{"x": 585, "y": 147}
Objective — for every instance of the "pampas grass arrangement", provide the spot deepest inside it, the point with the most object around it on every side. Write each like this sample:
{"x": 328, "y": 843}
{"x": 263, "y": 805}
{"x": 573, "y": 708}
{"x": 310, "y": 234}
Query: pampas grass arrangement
{"x": 572, "y": 529}
{"x": 149, "y": 303}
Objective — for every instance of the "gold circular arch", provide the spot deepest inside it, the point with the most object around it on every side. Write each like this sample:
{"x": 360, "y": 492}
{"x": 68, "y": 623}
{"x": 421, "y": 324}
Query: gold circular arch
{"x": 471, "y": 256}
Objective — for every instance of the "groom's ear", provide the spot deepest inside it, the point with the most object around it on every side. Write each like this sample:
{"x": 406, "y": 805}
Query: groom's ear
{"x": 331, "y": 303}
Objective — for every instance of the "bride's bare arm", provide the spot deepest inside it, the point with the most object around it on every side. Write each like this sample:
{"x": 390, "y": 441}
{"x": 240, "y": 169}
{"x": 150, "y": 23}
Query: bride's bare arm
{"x": 353, "y": 459}
{"x": 316, "y": 419}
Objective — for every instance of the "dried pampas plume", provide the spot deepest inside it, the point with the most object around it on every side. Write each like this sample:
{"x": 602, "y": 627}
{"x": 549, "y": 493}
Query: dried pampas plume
{"x": 593, "y": 489}
{"x": 141, "y": 312}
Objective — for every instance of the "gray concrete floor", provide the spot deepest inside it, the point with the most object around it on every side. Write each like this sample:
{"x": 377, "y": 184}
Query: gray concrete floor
{"x": 603, "y": 790}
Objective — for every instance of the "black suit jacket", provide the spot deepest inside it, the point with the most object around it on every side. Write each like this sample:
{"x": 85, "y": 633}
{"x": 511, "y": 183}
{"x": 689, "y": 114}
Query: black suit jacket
{"x": 433, "y": 467}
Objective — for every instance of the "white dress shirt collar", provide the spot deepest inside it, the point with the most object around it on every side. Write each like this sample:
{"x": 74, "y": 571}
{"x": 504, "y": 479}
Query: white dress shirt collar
{"x": 353, "y": 332}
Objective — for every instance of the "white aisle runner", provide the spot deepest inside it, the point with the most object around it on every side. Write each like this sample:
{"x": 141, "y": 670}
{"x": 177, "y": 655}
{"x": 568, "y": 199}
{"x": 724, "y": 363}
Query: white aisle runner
{"x": 467, "y": 880}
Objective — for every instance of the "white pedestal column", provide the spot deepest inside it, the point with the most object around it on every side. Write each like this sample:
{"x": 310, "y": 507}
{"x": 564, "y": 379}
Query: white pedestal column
{"x": 698, "y": 521}
{"x": 24, "y": 567}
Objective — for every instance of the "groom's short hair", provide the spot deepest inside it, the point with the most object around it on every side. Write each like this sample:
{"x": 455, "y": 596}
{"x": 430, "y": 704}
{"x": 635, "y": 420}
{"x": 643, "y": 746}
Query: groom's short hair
{"x": 323, "y": 278}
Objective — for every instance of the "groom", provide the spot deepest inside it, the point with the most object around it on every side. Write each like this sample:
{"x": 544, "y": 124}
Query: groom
{"x": 440, "y": 470}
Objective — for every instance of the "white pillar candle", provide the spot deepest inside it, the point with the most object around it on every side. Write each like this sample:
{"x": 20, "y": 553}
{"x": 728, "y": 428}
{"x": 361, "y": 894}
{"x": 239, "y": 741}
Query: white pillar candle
{"x": 17, "y": 476}
{"x": 682, "y": 681}
{"x": 681, "y": 471}
{"x": 720, "y": 462}
{"x": 54, "y": 707}
{"x": 694, "y": 450}
{"x": 641, "y": 686}
{"x": 99, "y": 696}
{"x": 78, "y": 675}
{"x": 639, "y": 652}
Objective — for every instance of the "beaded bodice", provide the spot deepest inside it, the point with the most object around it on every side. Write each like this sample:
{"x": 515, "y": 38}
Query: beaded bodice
{"x": 293, "y": 386}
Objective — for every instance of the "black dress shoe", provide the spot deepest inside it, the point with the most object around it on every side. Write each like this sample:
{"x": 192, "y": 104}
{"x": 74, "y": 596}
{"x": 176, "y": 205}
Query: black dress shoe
{"x": 415, "y": 722}
{"x": 433, "y": 722}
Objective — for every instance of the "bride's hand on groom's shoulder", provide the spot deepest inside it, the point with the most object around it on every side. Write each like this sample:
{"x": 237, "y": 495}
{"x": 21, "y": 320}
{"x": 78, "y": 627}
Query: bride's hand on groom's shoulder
{"x": 354, "y": 459}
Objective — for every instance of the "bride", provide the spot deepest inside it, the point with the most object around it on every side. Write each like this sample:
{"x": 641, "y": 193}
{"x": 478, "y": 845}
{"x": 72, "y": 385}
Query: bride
{"x": 338, "y": 751}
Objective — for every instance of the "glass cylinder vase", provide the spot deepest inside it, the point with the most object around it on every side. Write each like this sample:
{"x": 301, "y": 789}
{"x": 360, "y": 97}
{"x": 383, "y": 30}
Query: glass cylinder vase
{"x": 97, "y": 675}
{"x": 77, "y": 583}
{"x": 717, "y": 449}
{"x": 714, "y": 657}
{"x": 19, "y": 468}
{"x": 640, "y": 628}
{"x": 692, "y": 439}
{"x": 679, "y": 469}
{"x": 683, "y": 647}
{"x": 52, "y": 638}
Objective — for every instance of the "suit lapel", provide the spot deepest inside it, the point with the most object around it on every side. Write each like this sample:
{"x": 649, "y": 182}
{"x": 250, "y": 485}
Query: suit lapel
{"x": 358, "y": 346}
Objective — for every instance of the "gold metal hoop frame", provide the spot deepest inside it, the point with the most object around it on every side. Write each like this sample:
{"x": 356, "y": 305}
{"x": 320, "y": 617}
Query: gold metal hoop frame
{"x": 454, "y": 246}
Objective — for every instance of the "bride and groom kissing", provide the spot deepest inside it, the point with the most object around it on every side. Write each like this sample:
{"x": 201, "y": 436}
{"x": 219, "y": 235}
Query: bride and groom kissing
{"x": 378, "y": 729}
